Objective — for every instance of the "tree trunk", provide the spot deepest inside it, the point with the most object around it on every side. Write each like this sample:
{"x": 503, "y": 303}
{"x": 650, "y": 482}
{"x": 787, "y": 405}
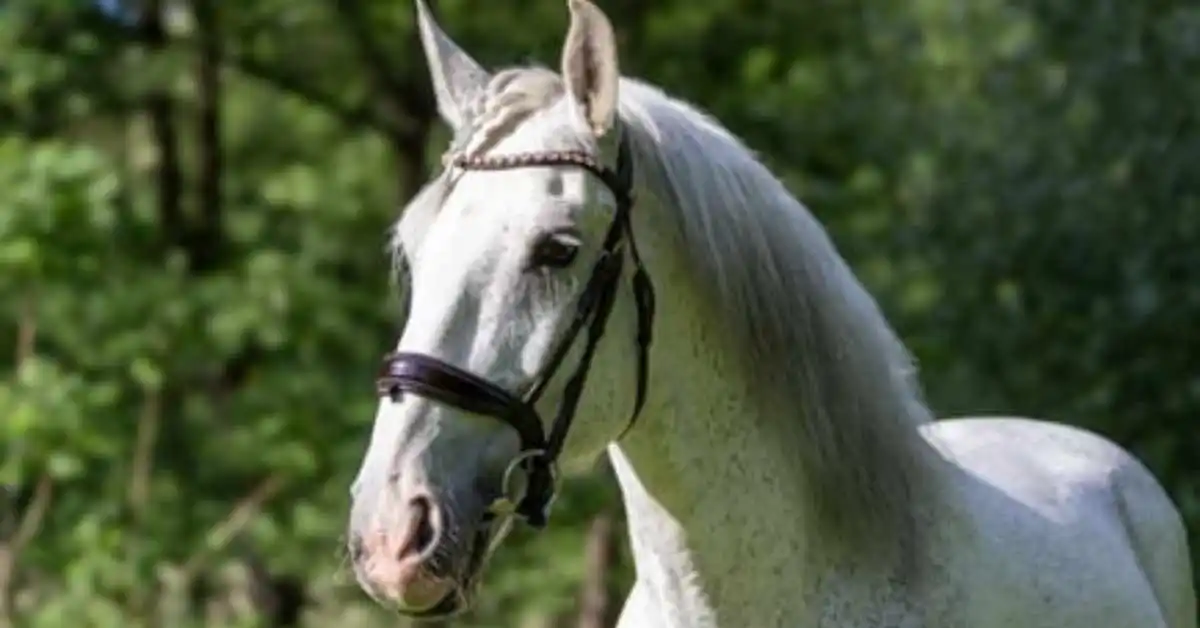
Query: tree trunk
{"x": 207, "y": 236}
{"x": 161, "y": 111}
{"x": 597, "y": 609}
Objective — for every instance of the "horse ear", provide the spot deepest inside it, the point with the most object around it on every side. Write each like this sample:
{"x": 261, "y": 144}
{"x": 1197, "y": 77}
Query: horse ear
{"x": 589, "y": 66}
{"x": 457, "y": 78}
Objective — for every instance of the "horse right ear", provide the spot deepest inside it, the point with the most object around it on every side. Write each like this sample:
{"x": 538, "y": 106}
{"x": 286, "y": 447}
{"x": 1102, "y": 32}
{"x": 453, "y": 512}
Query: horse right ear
{"x": 589, "y": 66}
{"x": 457, "y": 78}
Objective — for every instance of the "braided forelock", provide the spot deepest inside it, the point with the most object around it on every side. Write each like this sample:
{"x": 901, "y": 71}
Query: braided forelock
{"x": 510, "y": 98}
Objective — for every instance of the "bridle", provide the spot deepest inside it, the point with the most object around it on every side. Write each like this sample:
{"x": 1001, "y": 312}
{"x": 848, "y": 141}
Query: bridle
{"x": 432, "y": 378}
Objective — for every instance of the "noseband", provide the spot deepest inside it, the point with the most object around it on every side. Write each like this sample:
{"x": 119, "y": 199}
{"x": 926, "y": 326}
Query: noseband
{"x": 435, "y": 379}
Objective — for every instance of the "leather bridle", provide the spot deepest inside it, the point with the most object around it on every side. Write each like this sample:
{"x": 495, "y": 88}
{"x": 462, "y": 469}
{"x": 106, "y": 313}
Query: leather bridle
{"x": 432, "y": 378}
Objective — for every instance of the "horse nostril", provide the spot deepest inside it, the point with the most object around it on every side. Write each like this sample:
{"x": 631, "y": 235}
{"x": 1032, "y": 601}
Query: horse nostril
{"x": 427, "y": 527}
{"x": 357, "y": 548}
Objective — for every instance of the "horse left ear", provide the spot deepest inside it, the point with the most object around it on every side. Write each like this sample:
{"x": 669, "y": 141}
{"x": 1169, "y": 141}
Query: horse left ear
{"x": 457, "y": 78}
{"x": 589, "y": 66}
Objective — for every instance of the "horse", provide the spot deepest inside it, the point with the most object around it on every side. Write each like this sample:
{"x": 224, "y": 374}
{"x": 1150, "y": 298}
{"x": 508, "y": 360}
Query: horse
{"x": 600, "y": 267}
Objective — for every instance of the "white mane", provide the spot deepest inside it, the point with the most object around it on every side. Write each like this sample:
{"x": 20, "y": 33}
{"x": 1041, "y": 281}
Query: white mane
{"x": 811, "y": 331}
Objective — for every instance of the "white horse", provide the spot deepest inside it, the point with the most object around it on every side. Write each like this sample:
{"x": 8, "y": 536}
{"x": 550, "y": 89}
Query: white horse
{"x": 784, "y": 471}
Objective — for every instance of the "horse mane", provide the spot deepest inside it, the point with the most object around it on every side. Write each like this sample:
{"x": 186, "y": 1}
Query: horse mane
{"x": 811, "y": 333}
{"x": 835, "y": 372}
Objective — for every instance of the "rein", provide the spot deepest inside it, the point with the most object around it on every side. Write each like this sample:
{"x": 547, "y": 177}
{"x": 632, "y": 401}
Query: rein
{"x": 430, "y": 377}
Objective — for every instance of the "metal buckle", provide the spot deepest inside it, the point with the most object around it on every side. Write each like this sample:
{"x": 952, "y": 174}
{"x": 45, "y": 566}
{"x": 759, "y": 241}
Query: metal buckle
{"x": 506, "y": 505}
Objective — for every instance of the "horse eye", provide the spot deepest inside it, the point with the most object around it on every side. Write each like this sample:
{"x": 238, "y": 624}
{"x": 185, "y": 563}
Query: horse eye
{"x": 554, "y": 250}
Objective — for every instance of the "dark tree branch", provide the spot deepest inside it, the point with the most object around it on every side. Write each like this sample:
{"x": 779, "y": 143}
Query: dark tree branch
{"x": 11, "y": 547}
{"x": 354, "y": 116}
{"x": 408, "y": 98}
{"x": 161, "y": 112}
{"x": 279, "y": 598}
{"x": 208, "y": 234}
{"x": 228, "y": 529}
{"x": 19, "y": 525}
{"x": 145, "y": 443}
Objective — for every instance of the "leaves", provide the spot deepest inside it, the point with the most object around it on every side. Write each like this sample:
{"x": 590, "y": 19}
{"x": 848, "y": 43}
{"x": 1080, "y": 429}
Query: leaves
{"x": 1012, "y": 178}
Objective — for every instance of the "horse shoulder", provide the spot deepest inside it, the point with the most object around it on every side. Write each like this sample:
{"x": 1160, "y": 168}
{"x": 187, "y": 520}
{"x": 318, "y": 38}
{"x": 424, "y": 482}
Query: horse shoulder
{"x": 1077, "y": 506}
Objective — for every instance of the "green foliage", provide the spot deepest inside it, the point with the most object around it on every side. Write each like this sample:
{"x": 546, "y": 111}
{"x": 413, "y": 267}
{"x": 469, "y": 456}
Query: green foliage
{"x": 191, "y": 377}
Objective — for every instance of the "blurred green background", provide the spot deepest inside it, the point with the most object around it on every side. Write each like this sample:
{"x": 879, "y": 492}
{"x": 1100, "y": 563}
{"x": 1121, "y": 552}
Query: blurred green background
{"x": 194, "y": 293}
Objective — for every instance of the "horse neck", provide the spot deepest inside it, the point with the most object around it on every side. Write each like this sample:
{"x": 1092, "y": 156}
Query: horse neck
{"x": 724, "y": 521}
{"x": 716, "y": 505}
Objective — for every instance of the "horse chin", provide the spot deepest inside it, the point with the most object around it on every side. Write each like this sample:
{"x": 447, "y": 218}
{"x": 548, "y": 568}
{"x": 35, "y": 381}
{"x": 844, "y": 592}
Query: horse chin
{"x": 453, "y": 604}
{"x": 458, "y": 600}
{"x": 462, "y": 596}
